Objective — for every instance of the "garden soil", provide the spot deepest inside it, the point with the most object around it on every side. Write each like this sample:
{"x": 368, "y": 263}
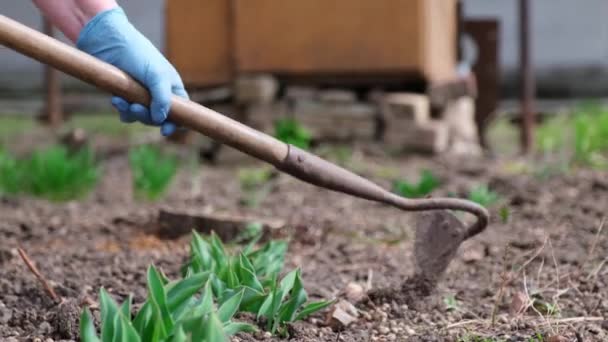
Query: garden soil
{"x": 550, "y": 248}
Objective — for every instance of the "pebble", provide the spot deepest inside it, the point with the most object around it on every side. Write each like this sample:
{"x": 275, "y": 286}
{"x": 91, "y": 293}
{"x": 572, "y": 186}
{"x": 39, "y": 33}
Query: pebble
{"x": 384, "y": 330}
{"x": 391, "y": 337}
{"x": 410, "y": 331}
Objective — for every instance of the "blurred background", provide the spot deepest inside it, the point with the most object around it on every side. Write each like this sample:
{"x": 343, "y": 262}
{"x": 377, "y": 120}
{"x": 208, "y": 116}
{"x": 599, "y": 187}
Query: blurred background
{"x": 355, "y": 63}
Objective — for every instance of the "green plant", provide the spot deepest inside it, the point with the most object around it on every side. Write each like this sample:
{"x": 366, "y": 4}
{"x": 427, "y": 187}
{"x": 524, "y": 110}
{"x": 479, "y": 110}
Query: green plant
{"x": 425, "y": 185}
{"x": 450, "y": 302}
{"x": 482, "y": 195}
{"x": 254, "y": 178}
{"x": 182, "y": 310}
{"x": 504, "y": 214}
{"x": 152, "y": 171}
{"x": 291, "y": 132}
{"x": 52, "y": 173}
{"x": 256, "y": 273}
{"x": 9, "y": 174}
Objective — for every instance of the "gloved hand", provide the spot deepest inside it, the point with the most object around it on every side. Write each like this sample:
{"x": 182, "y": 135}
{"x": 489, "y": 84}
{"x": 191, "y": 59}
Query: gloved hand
{"x": 110, "y": 37}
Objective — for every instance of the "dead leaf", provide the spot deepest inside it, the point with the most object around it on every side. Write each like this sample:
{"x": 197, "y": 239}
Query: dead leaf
{"x": 519, "y": 303}
{"x": 472, "y": 255}
{"x": 341, "y": 314}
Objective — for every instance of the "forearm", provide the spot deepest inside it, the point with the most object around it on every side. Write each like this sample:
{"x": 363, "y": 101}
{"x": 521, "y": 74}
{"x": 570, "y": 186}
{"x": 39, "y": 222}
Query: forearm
{"x": 70, "y": 16}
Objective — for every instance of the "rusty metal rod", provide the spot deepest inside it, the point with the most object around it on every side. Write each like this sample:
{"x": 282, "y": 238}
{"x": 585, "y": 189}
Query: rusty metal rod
{"x": 284, "y": 157}
{"x": 527, "y": 80}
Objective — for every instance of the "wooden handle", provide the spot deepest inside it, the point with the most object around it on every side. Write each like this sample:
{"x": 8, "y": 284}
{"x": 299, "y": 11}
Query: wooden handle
{"x": 185, "y": 113}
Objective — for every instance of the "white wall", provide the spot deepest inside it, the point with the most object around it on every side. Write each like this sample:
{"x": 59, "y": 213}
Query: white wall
{"x": 569, "y": 39}
{"x": 19, "y": 72}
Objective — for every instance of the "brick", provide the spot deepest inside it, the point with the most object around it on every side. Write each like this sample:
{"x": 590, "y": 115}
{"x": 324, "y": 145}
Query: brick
{"x": 337, "y": 121}
{"x": 460, "y": 117}
{"x": 255, "y": 89}
{"x": 430, "y": 137}
{"x": 337, "y": 96}
{"x": 397, "y": 107}
{"x": 297, "y": 93}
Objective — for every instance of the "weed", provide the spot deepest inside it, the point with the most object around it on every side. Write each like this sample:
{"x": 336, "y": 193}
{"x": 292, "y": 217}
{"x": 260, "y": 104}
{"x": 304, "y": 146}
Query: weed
{"x": 152, "y": 171}
{"x": 256, "y": 274}
{"x": 425, "y": 185}
{"x": 450, "y": 302}
{"x": 482, "y": 195}
{"x": 476, "y": 338}
{"x": 52, "y": 173}
{"x": 254, "y": 178}
{"x": 292, "y": 132}
{"x": 181, "y": 310}
{"x": 504, "y": 214}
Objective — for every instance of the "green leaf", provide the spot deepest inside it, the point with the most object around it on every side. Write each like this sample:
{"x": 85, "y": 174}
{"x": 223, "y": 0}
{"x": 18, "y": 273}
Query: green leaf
{"x": 125, "y": 309}
{"x": 201, "y": 251}
{"x": 297, "y": 298}
{"x": 233, "y": 328}
{"x": 230, "y": 307}
{"x": 218, "y": 252}
{"x": 159, "y": 302}
{"x": 232, "y": 280}
{"x": 246, "y": 274}
{"x": 252, "y": 299}
{"x": 127, "y": 331}
{"x": 109, "y": 309}
{"x": 213, "y": 330}
{"x": 205, "y": 305}
{"x": 288, "y": 282}
{"x": 180, "y": 335}
{"x": 184, "y": 289}
{"x": 143, "y": 317}
{"x": 311, "y": 308}
{"x": 87, "y": 328}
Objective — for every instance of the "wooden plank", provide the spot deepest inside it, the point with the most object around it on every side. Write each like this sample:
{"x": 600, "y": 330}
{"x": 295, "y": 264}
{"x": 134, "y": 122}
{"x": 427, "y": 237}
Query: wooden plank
{"x": 198, "y": 40}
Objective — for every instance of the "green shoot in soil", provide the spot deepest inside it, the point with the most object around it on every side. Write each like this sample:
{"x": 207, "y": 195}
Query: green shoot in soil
{"x": 425, "y": 185}
{"x": 52, "y": 173}
{"x": 255, "y": 185}
{"x": 482, "y": 195}
{"x": 181, "y": 310}
{"x": 152, "y": 171}
{"x": 255, "y": 272}
{"x": 292, "y": 132}
{"x": 451, "y": 304}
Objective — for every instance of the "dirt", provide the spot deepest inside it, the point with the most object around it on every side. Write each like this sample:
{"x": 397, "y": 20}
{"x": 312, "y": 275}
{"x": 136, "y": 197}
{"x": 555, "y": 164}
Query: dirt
{"x": 551, "y": 248}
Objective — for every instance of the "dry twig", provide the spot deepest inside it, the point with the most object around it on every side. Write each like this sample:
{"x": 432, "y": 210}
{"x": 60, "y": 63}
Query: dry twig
{"x": 47, "y": 287}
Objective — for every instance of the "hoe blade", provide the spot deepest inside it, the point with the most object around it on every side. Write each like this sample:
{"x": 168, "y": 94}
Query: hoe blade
{"x": 438, "y": 235}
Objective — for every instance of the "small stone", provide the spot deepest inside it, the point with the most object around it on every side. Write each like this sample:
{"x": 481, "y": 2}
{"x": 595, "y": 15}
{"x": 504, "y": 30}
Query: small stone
{"x": 267, "y": 335}
{"x": 473, "y": 255}
{"x": 410, "y": 331}
{"x": 391, "y": 337}
{"x": 354, "y": 292}
{"x": 384, "y": 330}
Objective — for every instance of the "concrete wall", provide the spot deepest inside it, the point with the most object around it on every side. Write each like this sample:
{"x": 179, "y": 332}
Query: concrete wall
{"x": 570, "y": 42}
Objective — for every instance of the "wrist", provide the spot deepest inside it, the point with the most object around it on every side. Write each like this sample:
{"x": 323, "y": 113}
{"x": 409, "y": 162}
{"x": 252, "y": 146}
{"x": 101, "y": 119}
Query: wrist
{"x": 91, "y": 8}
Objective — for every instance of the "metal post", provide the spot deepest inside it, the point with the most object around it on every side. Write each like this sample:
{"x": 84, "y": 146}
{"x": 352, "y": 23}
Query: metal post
{"x": 528, "y": 84}
{"x": 52, "y": 112}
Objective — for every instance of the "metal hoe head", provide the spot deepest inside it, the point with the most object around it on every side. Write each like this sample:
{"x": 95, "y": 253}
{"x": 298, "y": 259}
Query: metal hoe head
{"x": 439, "y": 233}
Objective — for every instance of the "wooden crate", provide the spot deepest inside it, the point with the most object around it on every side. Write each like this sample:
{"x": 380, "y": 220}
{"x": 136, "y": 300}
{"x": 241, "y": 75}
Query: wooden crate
{"x": 209, "y": 39}
{"x": 198, "y": 40}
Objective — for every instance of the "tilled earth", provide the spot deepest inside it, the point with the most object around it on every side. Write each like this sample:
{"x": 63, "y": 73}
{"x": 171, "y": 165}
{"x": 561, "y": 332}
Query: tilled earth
{"x": 550, "y": 248}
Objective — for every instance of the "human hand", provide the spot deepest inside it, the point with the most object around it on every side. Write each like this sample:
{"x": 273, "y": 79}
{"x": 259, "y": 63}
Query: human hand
{"x": 110, "y": 37}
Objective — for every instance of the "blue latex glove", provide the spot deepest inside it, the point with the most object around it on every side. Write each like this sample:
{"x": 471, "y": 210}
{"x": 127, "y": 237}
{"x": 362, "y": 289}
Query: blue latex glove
{"x": 110, "y": 37}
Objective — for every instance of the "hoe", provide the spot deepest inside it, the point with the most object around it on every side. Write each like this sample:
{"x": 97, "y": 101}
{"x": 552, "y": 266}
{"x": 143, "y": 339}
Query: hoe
{"x": 438, "y": 233}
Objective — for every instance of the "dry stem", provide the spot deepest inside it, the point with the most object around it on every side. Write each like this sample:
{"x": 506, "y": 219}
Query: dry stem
{"x": 47, "y": 287}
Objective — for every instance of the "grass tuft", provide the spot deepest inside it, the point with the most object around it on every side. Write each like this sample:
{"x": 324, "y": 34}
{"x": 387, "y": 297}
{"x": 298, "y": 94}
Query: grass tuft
{"x": 52, "y": 173}
{"x": 152, "y": 171}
